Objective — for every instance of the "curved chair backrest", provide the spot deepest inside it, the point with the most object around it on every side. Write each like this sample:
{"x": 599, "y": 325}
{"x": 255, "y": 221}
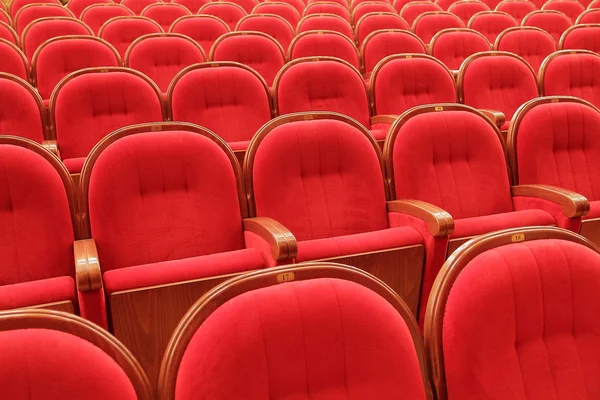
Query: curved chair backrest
{"x": 518, "y": 9}
{"x": 453, "y": 46}
{"x": 165, "y": 14}
{"x": 533, "y": 44}
{"x": 13, "y": 60}
{"x": 273, "y": 25}
{"x": 36, "y": 33}
{"x": 324, "y": 43}
{"x": 372, "y": 22}
{"x": 581, "y": 37}
{"x": 553, "y": 22}
{"x": 491, "y": 23}
{"x": 465, "y": 9}
{"x": 430, "y": 23}
{"x": 98, "y": 14}
{"x": 381, "y": 44}
{"x": 32, "y": 12}
{"x": 122, "y": 31}
{"x": 228, "y": 12}
{"x": 204, "y": 29}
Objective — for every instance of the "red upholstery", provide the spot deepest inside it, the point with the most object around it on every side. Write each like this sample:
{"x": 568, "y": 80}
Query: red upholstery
{"x": 326, "y": 22}
{"x": 533, "y": 44}
{"x": 452, "y": 46}
{"x": 91, "y": 105}
{"x": 122, "y": 31}
{"x": 516, "y": 8}
{"x": 230, "y": 13}
{"x": 258, "y": 51}
{"x": 137, "y": 6}
{"x": 325, "y": 43}
{"x": 328, "y": 337}
{"x": 299, "y": 5}
{"x": 162, "y": 56}
{"x": 445, "y": 4}
{"x": 500, "y": 82}
{"x": 36, "y": 235}
{"x": 59, "y": 57}
{"x": 204, "y": 29}
{"x": 51, "y": 364}
{"x": 573, "y": 75}
{"x": 524, "y": 314}
{"x": 582, "y": 37}
{"x": 571, "y": 9}
{"x": 165, "y": 14}
{"x": 553, "y": 22}
{"x": 369, "y": 7}
{"x": 375, "y": 22}
{"x": 16, "y": 5}
{"x": 30, "y": 13}
{"x": 4, "y": 17}
{"x": 492, "y": 4}
{"x": 21, "y": 109}
{"x": 285, "y": 11}
{"x": 247, "y": 5}
{"x": 491, "y": 24}
{"x": 589, "y": 17}
{"x": 328, "y": 8}
{"x": 97, "y": 15}
{"x": 273, "y": 25}
{"x": 399, "y": 4}
{"x": 77, "y": 6}
{"x": 12, "y": 60}
{"x": 474, "y": 226}
{"x": 428, "y": 24}
{"x": 466, "y": 9}
{"x": 44, "y": 29}
{"x": 412, "y": 10}
{"x": 379, "y": 45}
{"x": 229, "y": 100}
{"x": 7, "y": 33}
{"x": 402, "y": 83}
{"x": 192, "y": 5}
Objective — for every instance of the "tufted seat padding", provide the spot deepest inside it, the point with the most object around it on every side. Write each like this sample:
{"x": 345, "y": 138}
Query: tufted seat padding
{"x": 203, "y": 29}
{"x": 122, "y": 31}
{"x": 165, "y": 14}
{"x": 22, "y": 111}
{"x": 324, "y": 43}
{"x": 372, "y": 22}
{"x": 47, "y": 28}
{"x": 553, "y": 22}
{"x": 428, "y": 24}
{"x": 96, "y": 15}
{"x": 381, "y": 44}
{"x": 530, "y": 43}
{"x": 581, "y": 37}
{"x": 453, "y": 46}
{"x": 228, "y": 12}
{"x": 491, "y": 23}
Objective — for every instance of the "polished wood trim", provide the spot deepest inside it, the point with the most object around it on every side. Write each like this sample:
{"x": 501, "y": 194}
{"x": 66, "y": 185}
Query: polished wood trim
{"x": 374, "y": 14}
{"x": 536, "y": 12}
{"x": 289, "y": 118}
{"x": 495, "y": 116}
{"x": 98, "y": 5}
{"x": 426, "y": 14}
{"x": 216, "y": 64}
{"x": 520, "y": 28}
{"x": 15, "y": 21}
{"x": 556, "y": 1}
{"x": 590, "y": 229}
{"x": 419, "y": 2}
{"x": 243, "y": 33}
{"x": 87, "y": 265}
{"x": 299, "y": 37}
{"x": 370, "y": 2}
{"x": 370, "y": 36}
{"x": 160, "y": 35}
{"x": 41, "y": 20}
{"x": 162, "y": 4}
{"x": 212, "y": 300}
{"x": 460, "y": 2}
{"x": 136, "y": 17}
{"x": 383, "y": 119}
{"x": 256, "y": 9}
{"x": 109, "y": 139}
{"x": 450, "y": 272}
{"x": 307, "y": 17}
{"x": 272, "y": 16}
{"x": 69, "y": 38}
{"x": 388, "y": 149}
{"x": 197, "y": 16}
{"x": 583, "y": 14}
{"x": 14, "y": 35}
{"x": 469, "y": 60}
{"x": 439, "y": 222}
{"x": 83, "y": 329}
{"x": 5, "y": 13}
{"x": 61, "y": 170}
{"x": 566, "y": 33}
{"x": 520, "y": 114}
{"x": 573, "y": 205}
{"x": 64, "y": 306}
{"x": 10, "y": 8}
{"x": 437, "y": 36}
{"x": 381, "y": 64}
{"x": 550, "y": 58}
{"x": 494, "y": 12}
{"x": 51, "y": 146}
{"x": 34, "y": 94}
{"x": 281, "y": 241}
{"x": 329, "y": 3}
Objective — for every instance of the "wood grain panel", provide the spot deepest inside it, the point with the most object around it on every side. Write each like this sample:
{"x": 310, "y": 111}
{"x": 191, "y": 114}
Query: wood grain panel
{"x": 66, "y": 306}
{"x": 456, "y": 243}
{"x": 591, "y": 230}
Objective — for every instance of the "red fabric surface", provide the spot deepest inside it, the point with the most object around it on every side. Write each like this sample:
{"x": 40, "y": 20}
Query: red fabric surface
{"x": 285, "y": 11}
{"x": 385, "y": 43}
{"x": 528, "y": 203}
{"x": 12, "y": 61}
{"x": 35, "y": 293}
{"x": 299, "y": 5}
{"x": 492, "y": 24}
{"x": 253, "y": 241}
{"x": 587, "y": 38}
{"x": 525, "y": 315}
{"x": 428, "y": 25}
{"x": 58, "y": 59}
{"x": 371, "y": 6}
{"x": 591, "y": 16}
{"x": 122, "y": 32}
{"x": 380, "y": 131}
{"x": 500, "y": 83}
{"x": 192, "y": 5}
{"x": 48, "y": 364}
{"x": 408, "y": 82}
{"x": 44, "y": 30}
{"x": 323, "y": 86}
{"x": 7, "y": 33}
{"x": 475, "y": 226}
{"x": 574, "y": 75}
{"x": 553, "y": 23}
{"x": 165, "y": 14}
{"x": 19, "y": 112}
{"x": 453, "y": 47}
{"x": 230, "y": 101}
{"x": 74, "y": 165}
{"x": 328, "y": 23}
{"x": 466, "y": 10}
{"x": 325, "y": 44}
{"x": 137, "y": 6}
{"x": 230, "y": 14}
{"x": 92, "y": 306}
{"x": 33, "y": 12}
{"x": 376, "y": 22}
{"x": 162, "y": 196}
{"x": 203, "y": 29}
{"x": 258, "y": 52}
{"x": 336, "y": 9}
{"x": 324, "y": 339}
{"x": 534, "y": 46}
{"x": 247, "y": 5}
{"x": 162, "y": 57}
{"x": 412, "y": 10}
{"x": 516, "y": 9}
{"x": 77, "y": 6}
{"x": 571, "y": 9}
{"x": 444, "y": 4}
{"x": 92, "y": 105}
{"x": 275, "y": 27}
{"x": 16, "y": 5}
{"x": 96, "y": 17}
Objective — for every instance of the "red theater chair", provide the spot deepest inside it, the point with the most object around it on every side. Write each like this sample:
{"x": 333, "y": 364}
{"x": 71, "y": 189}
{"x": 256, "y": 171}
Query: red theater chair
{"x": 328, "y": 7}
{"x": 518, "y": 9}
{"x": 465, "y": 9}
{"x": 453, "y": 46}
{"x": 369, "y": 7}
{"x": 412, "y": 10}
{"x": 581, "y": 37}
{"x": 570, "y": 8}
{"x": 204, "y": 29}
{"x": 137, "y": 6}
{"x": 12, "y": 60}
{"x": 430, "y": 23}
{"x": 8, "y": 33}
{"x": 77, "y": 6}
{"x": 165, "y": 13}
{"x": 381, "y": 44}
{"x": 122, "y": 31}
{"x": 32, "y": 12}
{"x": 95, "y": 16}
{"x": 228, "y": 12}
{"x": 324, "y": 44}
{"x": 247, "y": 5}
{"x": 372, "y": 22}
{"x": 44, "y": 29}
{"x": 16, "y": 5}
{"x": 491, "y": 23}
{"x": 532, "y": 44}
{"x": 589, "y": 17}
{"x": 284, "y": 10}
{"x": 273, "y": 25}
{"x": 22, "y": 110}
{"x": 325, "y": 22}
{"x": 192, "y": 5}
{"x": 553, "y": 22}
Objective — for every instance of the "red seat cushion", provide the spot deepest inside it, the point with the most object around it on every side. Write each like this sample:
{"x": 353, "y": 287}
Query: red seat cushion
{"x": 385, "y": 43}
{"x": 573, "y": 75}
{"x": 453, "y": 47}
{"x": 20, "y": 113}
{"x": 585, "y": 37}
{"x": 325, "y": 44}
{"x": 35, "y": 293}
{"x": 379, "y": 131}
{"x": 203, "y": 29}
{"x": 531, "y": 44}
{"x": 467, "y": 227}
{"x": 122, "y": 32}
{"x": 491, "y": 24}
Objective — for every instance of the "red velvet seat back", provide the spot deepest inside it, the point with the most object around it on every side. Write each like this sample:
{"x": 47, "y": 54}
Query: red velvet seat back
{"x": 570, "y": 74}
{"x": 453, "y": 46}
{"x": 137, "y": 6}
{"x": 192, "y": 5}
{"x": 369, "y": 7}
{"x": 48, "y": 28}
{"x": 158, "y": 196}
{"x": 533, "y": 44}
{"x": 591, "y": 16}
{"x": 162, "y": 56}
{"x": 322, "y": 85}
{"x": 204, "y": 29}
{"x": 325, "y": 22}
{"x": 581, "y": 38}
{"x": 90, "y": 105}
{"x": 400, "y": 83}
{"x": 553, "y": 22}
{"x": 571, "y": 9}
{"x": 375, "y": 22}
{"x": 59, "y": 57}
{"x": 165, "y": 14}
{"x": 327, "y": 171}
{"x": 230, "y": 13}
{"x": 36, "y": 232}
{"x": 8, "y": 33}
{"x": 98, "y": 14}
{"x": 30, "y": 13}
{"x": 298, "y": 5}
{"x": 466, "y": 9}
{"x": 453, "y": 159}
{"x": 273, "y": 25}
{"x": 77, "y": 6}
{"x": 122, "y": 31}
{"x": 324, "y": 43}
{"x": 379, "y": 45}
{"x": 247, "y": 5}
{"x": 557, "y": 144}
{"x": 254, "y": 49}
{"x": 13, "y": 60}
{"x": 328, "y": 8}
{"x": 412, "y": 10}
{"x": 430, "y": 23}
{"x": 500, "y": 82}
{"x": 16, "y": 5}
{"x": 230, "y": 100}
{"x": 285, "y": 11}
{"x": 491, "y": 24}
{"x": 21, "y": 109}
{"x": 518, "y": 9}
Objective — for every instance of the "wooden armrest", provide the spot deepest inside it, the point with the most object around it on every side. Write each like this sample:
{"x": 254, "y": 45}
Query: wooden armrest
{"x": 439, "y": 222}
{"x": 455, "y": 73}
{"x": 282, "y": 242}
{"x": 52, "y": 146}
{"x": 573, "y": 205}
{"x": 383, "y": 119}
{"x": 87, "y": 266}
{"x": 496, "y": 117}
